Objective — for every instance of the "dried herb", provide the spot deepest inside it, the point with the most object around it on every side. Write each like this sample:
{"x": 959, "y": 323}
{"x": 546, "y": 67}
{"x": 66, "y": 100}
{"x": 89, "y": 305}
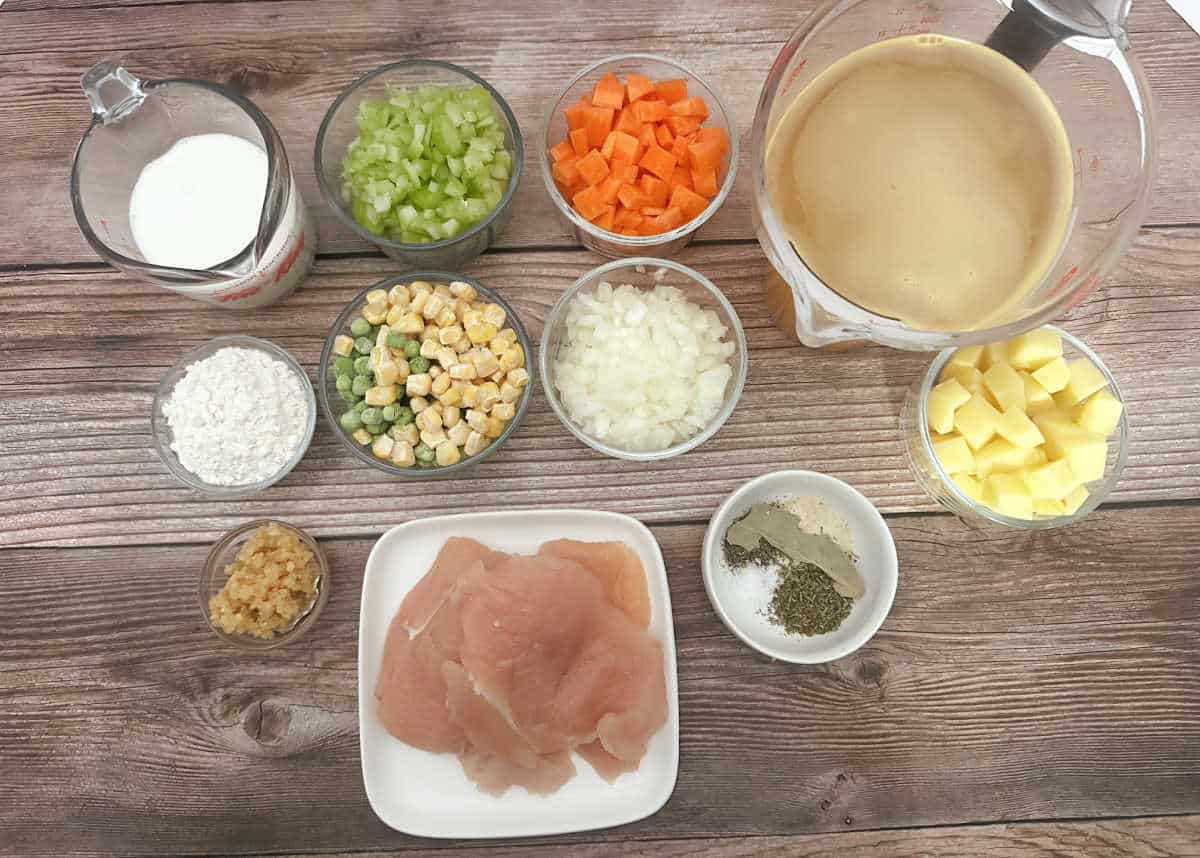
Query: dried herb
{"x": 805, "y": 601}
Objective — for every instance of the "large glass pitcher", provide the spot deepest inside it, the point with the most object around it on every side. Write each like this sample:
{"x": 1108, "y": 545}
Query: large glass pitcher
{"x": 133, "y": 123}
{"x": 1095, "y": 83}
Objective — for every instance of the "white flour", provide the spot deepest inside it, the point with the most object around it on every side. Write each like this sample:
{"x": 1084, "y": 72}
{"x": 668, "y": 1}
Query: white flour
{"x": 236, "y": 417}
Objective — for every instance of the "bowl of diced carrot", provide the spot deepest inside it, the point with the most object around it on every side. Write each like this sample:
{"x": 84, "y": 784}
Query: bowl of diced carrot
{"x": 638, "y": 154}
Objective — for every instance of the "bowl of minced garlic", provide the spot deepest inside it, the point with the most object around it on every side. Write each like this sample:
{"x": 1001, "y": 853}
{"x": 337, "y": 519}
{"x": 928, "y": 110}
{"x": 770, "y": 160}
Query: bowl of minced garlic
{"x": 263, "y": 585}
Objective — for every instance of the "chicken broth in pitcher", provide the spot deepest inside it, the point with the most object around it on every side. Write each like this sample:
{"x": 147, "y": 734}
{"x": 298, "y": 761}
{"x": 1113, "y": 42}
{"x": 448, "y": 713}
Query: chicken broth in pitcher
{"x": 925, "y": 178}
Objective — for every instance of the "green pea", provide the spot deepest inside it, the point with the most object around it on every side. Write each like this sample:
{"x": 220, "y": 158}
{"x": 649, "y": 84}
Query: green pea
{"x": 397, "y": 341}
{"x": 362, "y": 366}
{"x": 390, "y": 412}
{"x": 350, "y": 421}
{"x": 361, "y": 384}
{"x": 360, "y": 327}
{"x": 418, "y": 364}
{"x": 371, "y": 416}
{"x": 404, "y": 415}
{"x": 424, "y": 453}
{"x": 412, "y": 349}
{"x": 344, "y": 382}
{"x": 361, "y": 406}
{"x": 376, "y": 428}
{"x": 348, "y": 397}
{"x": 344, "y": 366}
{"x": 363, "y": 345}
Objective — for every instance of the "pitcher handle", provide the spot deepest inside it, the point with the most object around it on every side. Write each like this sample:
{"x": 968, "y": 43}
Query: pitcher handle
{"x": 113, "y": 91}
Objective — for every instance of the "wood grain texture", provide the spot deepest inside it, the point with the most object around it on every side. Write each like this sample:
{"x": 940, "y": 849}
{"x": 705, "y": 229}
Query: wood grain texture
{"x": 1149, "y": 837}
{"x": 1017, "y": 677}
{"x": 292, "y": 57}
{"x": 81, "y": 469}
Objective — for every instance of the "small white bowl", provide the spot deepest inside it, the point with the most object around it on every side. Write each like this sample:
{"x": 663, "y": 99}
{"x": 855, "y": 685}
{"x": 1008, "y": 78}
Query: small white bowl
{"x": 875, "y": 557}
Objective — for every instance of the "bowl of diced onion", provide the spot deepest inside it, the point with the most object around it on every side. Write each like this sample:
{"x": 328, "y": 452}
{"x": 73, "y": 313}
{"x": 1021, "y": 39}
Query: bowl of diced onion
{"x": 643, "y": 359}
{"x": 422, "y": 159}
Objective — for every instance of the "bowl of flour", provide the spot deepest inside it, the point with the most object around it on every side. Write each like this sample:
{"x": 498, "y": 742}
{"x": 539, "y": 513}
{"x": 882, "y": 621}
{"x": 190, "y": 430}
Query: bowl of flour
{"x": 233, "y": 416}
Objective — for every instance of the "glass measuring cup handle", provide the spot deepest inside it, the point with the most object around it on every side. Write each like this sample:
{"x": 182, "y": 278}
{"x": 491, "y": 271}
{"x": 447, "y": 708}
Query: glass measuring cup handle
{"x": 112, "y": 91}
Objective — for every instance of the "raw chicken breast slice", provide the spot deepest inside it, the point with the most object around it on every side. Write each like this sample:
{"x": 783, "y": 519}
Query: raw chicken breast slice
{"x": 428, "y": 594}
{"x": 495, "y": 775}
{"x": 605, "y": 764}
{"x": 617, "y": 566}
{"x": 486, "y": 728}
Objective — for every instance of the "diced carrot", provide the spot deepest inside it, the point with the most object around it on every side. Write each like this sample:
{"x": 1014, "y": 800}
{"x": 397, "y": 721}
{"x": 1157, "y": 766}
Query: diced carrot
{"x": 624, "y": 170}
{"x": 695, "y": 106}
{"x": 705, "y": 155}
{"x": 608, "y": 92}
{"x": 637, "y": 86}
{"x": 668, "y": 220}
{"x": 579, "y": 141}
{"x": 651, "y": 211}
{"x": 593, "y": 167}
{"x": 599, "y": 123}
{"x": 609, "y": 188}
{"x": 658, "y": 161}
{"x": 705, "y": 182}
{"x": 687, "y": 201}
{"x": 655, "y": 190}
{"x": 712, "y": 132}
{"x": 651, "y": 111}
{"x": 646, "y": 139}
{"x": 605, "y": 221}
{"x": 631, "y": 197}
{"x": 664, "y": 136}
{"x": 565, "y": 171}
{"x": 577, "y": 114}
{"x": 589, "y": 202}
{"x": 624, "y": 146}
{"x": 627, "y": 122}
{"x": 682, "y": 124}
{"x": 671, "y": 91}
{"x": 607, "y": 149}
{"x": 679, "y": 150}
{"x": 561, "y": 151}
{"x": 681, "y": 176}
{"x": 626, "y": 217}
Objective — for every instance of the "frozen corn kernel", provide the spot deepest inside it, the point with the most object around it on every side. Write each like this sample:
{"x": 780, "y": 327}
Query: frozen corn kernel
{"x": 387, "y": 373}
{"x": 435, "y": 372}
{"x": 504, "y": 411}
{"x": 440, "y": 384}
{"x": 489, "y": 395}
{"x": 518, "y": 377}
{"x": 431, "y": 331}
{"x": 495, "y": 428}
{"x": 445, "y": 317}
{"x": 463, "y": 371}
{"x": 362, "y": 436}
{"x": 418, "y": 404}
{"x": 402, "y": 454}
{"x": 433, "y": 437}
{"x": 429, "y": 419}
{"x": 460, "y": 307}
{"x": 376, "y": 313}
{"x": 462, "y": 290}
{"x": 447, "y": 453}
{"x": 494, "y": 314}
{"x": 452, "y": 396}
{"x": 462, "y": 345}
{"x": 512, "y": 358}
{"x": 382, "y": 446}
{"x": 451, "y": 414}
{"x": 418, "y": 384}
{"x": 433, "y": 305}
{"x": 470, "y": 395}
{"x": 420, "y": 287}
{"x": 417, "y": 304}
{"x": 482, "y": 333}
{"x": 450, "y": 335}
{"x": 410, "y": 323}
{"x": 394, "y": 314}
{"x": 475, "y": 443}
{"x": 477, "y": 420}
{"x": 509, "y": 392}
{"x": 472, "y": 317}
{"x": 399, "y": 295}
{"x": 459, "y": 432}
{"x": 408, "y": 432}
{"x": 382, "y": 395}
{"x": 430, "y": 348}
{"x": 442, "y": 290}
{"x": 377, "y": 296}
{"x": 447, "y": 357}
{"x": 485, "y": 362}
{"x": 343, "y": 345}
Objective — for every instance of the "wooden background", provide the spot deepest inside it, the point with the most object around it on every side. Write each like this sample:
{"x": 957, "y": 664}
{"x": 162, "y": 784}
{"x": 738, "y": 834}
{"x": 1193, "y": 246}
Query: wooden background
{"x": 1030, "y": 694}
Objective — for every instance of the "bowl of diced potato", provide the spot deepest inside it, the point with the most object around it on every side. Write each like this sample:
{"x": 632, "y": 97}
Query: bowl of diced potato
{"x": 1028, "y": 433}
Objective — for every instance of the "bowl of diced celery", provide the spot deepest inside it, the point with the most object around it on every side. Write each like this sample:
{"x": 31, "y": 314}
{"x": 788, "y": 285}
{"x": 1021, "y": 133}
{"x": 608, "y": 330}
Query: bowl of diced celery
{"x": 421, "y": 158}
{"x": 425, "y": 374}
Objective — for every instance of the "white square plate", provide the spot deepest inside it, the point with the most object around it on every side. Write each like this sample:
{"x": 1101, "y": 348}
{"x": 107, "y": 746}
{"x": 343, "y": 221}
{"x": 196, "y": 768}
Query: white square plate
{"x": 428, "y": 794}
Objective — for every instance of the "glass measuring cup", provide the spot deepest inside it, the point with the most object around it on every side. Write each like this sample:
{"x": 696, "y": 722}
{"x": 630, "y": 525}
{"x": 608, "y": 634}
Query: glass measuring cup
{"x": 1101, "y": 94}
{"x": 135, "y": 121}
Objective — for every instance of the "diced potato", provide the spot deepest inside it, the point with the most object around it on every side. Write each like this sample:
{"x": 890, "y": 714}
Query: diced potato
{"x": 1005, "y": 386}
{"x": 1008, "y": 495}
{"x": 954, "y": 454}
{"x": 993, "y": 353}
{"x": 942, "y": 401}
{"x": 1053, "y": 481}
{"x": 970, "y": 486}
{"x": 1086, "y": 452}
{"x": 1034, "y": 349}
{"x": 968, "y": 376}
{"x": 976, "y": 421}
{"x": 1085, "y": 380}
{"x": 965, "y": 358}
{"x": 1002, "y": 456}
{"x": 1053, "y": 376}
{"x": 1037, "y": 398}
{"x": 1014, "y": 426}
{"x": 1100, "y": 413}
{"x": 1073, "y": 501}
{"x": 1048, "y": 507}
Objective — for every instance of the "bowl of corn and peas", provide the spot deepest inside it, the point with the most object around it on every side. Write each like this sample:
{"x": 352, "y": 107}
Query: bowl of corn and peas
{"x": 425, "y": 373}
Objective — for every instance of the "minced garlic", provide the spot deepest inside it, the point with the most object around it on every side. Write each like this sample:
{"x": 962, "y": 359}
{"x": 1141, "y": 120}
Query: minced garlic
{"x": 271, "y": 582}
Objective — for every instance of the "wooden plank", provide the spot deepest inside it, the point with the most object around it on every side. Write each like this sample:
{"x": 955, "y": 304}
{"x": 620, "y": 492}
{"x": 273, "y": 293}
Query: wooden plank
{"x": 288, "y": 58}
{"x": 1147, "y": 837}
{"x": 82, "y": 355}
{"x": 1018, "y": 677}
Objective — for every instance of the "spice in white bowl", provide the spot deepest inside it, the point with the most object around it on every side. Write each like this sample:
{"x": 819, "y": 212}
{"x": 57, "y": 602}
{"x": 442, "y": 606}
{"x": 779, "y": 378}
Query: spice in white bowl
{"x": 642, "y": 369}
{"x": 237, "y": 417}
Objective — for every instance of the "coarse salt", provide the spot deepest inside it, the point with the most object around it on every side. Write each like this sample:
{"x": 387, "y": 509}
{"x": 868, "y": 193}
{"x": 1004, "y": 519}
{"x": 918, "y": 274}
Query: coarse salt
{"x": 237, "y": 417}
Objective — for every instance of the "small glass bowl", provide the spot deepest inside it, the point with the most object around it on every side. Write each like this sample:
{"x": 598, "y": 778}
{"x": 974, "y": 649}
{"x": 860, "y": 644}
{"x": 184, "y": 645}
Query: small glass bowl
{"x": 918, "y": 449}
{"x": 331, "y": 399}
{"x": 161, "y": 430}
{"x": 340, "y": 127}
{"x": 554, "y": 130}
{"x": 212, "y": 579}
{"x": 642, "y": 272}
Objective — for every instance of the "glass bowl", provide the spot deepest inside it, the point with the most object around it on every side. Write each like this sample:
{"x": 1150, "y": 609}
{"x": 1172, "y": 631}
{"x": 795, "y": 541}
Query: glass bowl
{"x": 161, "y": 430}
{"x": 914, "y": 426}
{"x": 1099, "y": 90}
{"x": 331, "y": 399}
{"x": 212, "y": 579}
{"x": 339, "y": 128}
{"x": 643, "y": 273}
{"x": 554, "y": 130}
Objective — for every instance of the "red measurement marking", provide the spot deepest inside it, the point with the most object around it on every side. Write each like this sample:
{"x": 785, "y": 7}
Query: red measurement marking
{"x": 931, "y": 19}
{"x": 1068, "y": 277}
{"x": 1085, "y": 290}
{"x": 290, "y": 259}
{"x": 1095, "y": 165}
{"x": 241, "y": 293}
